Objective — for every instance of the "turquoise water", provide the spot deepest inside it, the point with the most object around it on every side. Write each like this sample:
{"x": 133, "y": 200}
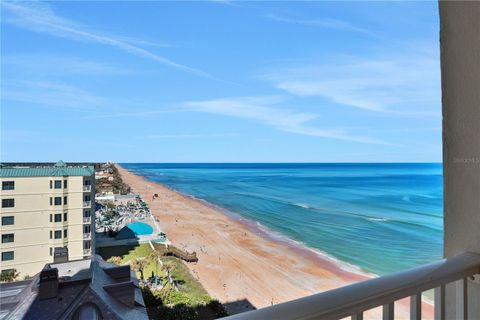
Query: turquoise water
{"x": 140, "y": 228}
{"x": 379, "y": 217}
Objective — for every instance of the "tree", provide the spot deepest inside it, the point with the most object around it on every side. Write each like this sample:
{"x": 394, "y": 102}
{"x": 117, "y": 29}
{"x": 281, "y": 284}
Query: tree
{"x": 115, "y": 260}
{"x": 9, "y": 276}
{"x": 139, "y": 265}
{"x": 155, "y": 256}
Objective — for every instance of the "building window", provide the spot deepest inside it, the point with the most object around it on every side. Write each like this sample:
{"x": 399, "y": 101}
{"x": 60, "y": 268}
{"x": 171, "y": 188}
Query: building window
{"x": 65, "y": 184}
{"x": 86, "y": 214}
{"x": 58, "y": 234}
{"x": 58, "y": 201}
{"x": 86, "y": 229}
{"x": 8, "y": 221}
{"x": 65, "y": 216}
{"x": 51, "y": 234}
{"x": 6, "y": 238}
{"x": 8, "y": 203}
{"x": 58, "y": 184}
{"x": 65, "y": 200}
{"x": 51, "y": 184}
{"x": 51, "y": 219}
{"x": 86, "y": 183}
{"x": 51, "y": 201}
{"x": 8, "y": 185}
{"x": 7, "y": 255}
{"x": 65, "y": 233}
{"x": 86, "y": 198}
{"x": 51, "y": 251}
{"x": 58, "y": 217}
{"x": 86, "y": 245}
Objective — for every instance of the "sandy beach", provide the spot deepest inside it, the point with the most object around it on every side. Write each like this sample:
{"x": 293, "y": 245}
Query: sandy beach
{"x": 236, "y": 262}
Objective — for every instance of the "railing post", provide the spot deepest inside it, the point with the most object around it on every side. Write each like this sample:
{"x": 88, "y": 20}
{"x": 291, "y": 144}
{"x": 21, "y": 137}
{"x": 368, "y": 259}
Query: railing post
{"x": 440, "y": 302}
{"x": 416, "y": 306}
{"x": 461, "y": 299}
{"x": 389, "y": 311}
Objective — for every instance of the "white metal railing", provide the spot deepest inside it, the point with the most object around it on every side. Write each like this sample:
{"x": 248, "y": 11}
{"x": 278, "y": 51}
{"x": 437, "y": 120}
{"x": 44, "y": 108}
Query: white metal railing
{"x": 87, "y": 235}
{"x": 353, "y": 300}
{"x": 87, "y": 204}
{"x": 87, "y": 219}
{"x": 86, "y": 251}
{"x": 87, "y": 188}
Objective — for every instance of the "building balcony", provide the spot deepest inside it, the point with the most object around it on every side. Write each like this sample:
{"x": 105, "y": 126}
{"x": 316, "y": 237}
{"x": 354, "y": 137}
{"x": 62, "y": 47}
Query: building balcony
{"x": 87, "y": 251}
{"x": 87, "y": 219}
{"x": 353, "y": 300}
{"x": 87, "y": 236}
{"x": 87, "y": 188}
{"x": 87, "y": 204}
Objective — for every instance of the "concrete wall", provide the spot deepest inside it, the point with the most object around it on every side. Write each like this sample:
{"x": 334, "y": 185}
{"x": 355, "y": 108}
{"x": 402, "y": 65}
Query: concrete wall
{"x": 460, "y": 62}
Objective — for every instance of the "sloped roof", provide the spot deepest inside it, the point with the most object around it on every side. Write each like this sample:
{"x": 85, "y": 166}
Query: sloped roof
{"x": 115, "y": 298}
{"x": 56, "y": 171}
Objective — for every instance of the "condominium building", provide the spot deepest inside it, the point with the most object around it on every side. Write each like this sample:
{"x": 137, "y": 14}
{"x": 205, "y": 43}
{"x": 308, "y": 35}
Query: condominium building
{"x": 44, "y": 208}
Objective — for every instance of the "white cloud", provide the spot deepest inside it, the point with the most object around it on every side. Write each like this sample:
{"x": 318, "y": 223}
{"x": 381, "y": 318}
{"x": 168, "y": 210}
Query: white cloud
{"x": 397, "y": 84}
{"x": 266, "y": 110}
{"x": 189, "y": 135}
{"x": 40, "y": 17}
{"x": 145, "y": 113}
{"x": 327, "y": 23}
{"x": 51, "y": 94}
{"x": 60, "y": 65}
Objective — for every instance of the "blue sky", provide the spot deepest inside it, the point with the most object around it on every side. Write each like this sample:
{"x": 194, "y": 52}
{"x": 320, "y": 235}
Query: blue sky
{"x": 220, "y": 81}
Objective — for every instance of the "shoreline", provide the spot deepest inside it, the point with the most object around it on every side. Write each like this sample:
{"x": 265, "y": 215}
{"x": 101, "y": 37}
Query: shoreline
{"x": 240, "y": 260}
{"x": 271, "y": 235}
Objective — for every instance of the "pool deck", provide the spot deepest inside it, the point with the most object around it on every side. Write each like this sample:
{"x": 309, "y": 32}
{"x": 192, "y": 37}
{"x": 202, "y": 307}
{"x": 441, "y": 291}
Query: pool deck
{"x": 105, "y": 241}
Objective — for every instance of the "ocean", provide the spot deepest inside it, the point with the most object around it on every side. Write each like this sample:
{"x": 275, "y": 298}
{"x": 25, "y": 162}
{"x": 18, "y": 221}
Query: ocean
{"x": 379, "y": 217}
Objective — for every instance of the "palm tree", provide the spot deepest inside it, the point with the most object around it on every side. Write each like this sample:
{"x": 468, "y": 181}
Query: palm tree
{"x": 155, "y": 256}
{"x": 139, "y": 265}
{"x": 168, "y": 266}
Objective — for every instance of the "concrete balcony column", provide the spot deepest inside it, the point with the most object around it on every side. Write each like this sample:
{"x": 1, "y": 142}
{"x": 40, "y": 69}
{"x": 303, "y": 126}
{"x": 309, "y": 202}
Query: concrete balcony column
{"x": 460, "y": 65}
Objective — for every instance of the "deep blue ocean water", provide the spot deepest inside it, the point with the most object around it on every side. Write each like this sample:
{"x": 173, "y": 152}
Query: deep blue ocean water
{"x": 380, "y": 217}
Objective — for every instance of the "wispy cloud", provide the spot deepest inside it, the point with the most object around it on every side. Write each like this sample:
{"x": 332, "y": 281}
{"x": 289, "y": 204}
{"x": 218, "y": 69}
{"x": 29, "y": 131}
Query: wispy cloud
{"x": 327, "y": 23}
{"x": 267, "y": 111}
{"x": 227, "y": 2}
{"x": 58, "y": 65}
{"x": 145, "y": 113}
{"x": 396, "y": 84}
{"x": 189, "y": 135}
{"x": 51, "y": 94}
{"x": 40, "y": 17}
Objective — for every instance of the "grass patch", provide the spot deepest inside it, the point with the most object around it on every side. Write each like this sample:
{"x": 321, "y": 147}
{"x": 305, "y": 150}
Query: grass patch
{"x": 190, "y": 302}
{"x": 141, "y": 251}
{"x": 187, "y": 283}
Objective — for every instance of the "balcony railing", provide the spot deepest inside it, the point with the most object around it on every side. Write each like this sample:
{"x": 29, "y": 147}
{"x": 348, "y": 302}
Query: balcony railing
{"x": 87, "y": 251}
{"x": 87, "y": 204}
{"x": 87, "y": 188}
{"x": 87, "y": 219}
{"x": 87, "y": 235}
{"x": 353, "y": 300}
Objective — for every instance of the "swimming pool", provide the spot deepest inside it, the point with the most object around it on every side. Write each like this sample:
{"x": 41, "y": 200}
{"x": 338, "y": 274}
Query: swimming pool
{"x": 140, "y": 228}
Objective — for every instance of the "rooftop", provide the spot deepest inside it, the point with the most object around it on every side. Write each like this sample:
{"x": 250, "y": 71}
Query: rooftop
{"x": 59, "y": 169}
{"x": 82, "y": 286}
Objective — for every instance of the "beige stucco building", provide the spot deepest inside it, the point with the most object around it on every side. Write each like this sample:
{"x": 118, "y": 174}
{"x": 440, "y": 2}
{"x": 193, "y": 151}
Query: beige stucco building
{"x": 44, "y": 208}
